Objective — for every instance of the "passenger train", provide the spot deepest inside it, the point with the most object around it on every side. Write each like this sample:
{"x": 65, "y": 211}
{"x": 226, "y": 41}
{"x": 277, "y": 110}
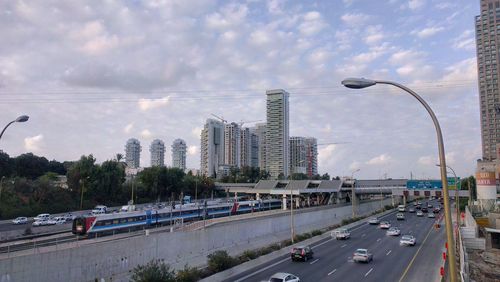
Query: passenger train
{"x": 106, "y": 224}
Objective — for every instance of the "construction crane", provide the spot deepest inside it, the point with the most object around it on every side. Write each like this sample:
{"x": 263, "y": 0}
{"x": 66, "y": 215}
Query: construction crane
{"x": 221, "y": 118}
{"x": 248, "y": 121}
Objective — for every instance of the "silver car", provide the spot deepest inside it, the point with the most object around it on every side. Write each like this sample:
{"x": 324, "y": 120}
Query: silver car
{"x": 408, "y": 240}
{"x": 284, "y": 277}
{"x": 362, "y": 255}
{"x": 393, "y": 231}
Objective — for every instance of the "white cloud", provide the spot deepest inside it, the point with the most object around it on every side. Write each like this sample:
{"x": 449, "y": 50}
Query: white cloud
{"x": 326, "y": 153}
{"x": 465, "y": 41}
{"x": 32, "y": 144}
{"x": 355, "y": 165}
{"x": 228, "y": 17}
{"x": 374, "y": 34}
{"x": 146, "y": 134}
{"x": 380, "y": 160}
{"x": 192, "y": 150}
{"x": 312, "y": 24}
{"x": 416, "y": 4}
{"x": 428, "y": 160}
{"x": 128, "y": 128}
{"x": 355, "y": 19}
{"x": 465, "y": 70}
{"x": 196, "y": 132}
{"x": 428, "y": 32}
{"x": 148, "y": 104}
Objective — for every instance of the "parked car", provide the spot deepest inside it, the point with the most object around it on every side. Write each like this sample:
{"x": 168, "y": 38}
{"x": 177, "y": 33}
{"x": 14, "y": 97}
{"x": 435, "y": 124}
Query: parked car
{"x": 362, "y": 255}
{"x": 283, "y": 277}
{"x": 301, "y": 253}
{"x": 393, "y": 231}
{"x": 374, "y": 220}
{"x": 20, "y": 220}
{"x": 42, "y": 216}
{"x": 341, "y": 234}
{"x": 420, "y": 213}
{"x": 408, "y": 240}
{"x": 384, "y": 225}
{"x": 400, "y": 216}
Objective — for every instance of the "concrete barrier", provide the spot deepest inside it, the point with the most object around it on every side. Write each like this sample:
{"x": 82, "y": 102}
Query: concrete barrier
{"x": 115, "y": 260}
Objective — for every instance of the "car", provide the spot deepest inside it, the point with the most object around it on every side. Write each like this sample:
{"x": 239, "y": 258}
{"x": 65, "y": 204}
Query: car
{"x": 393, "y": 231}
{"x": 424, "y": 209}
{"x": 41, "y": 222}
{"x": 51, "y": 221}
{"x": 411, "y": 210}
{"x": 283, "y": 277}
{"x": 69, "y": 217}
{"x": 420, "y": 213}
{"x": 59, "y": 220}
{"x": 400, "y": 216}
{"x": 436, "y": 210}
{"x": 408, "y": 240}
{"x": 384, "y": 225}
{"x": 415, "y": 203}
{"x": 418, "y": 207}
{"x": 431, "y": 215}
{"x": 20, "y": 220}
{"x": 429, "y": 206}
{"x": 42, "y": 216}
{"x": 301, "y": 253}
{"x": 362, "y": 255}
{"x": 374, "y": 220}
{"x": 341, "y": 234}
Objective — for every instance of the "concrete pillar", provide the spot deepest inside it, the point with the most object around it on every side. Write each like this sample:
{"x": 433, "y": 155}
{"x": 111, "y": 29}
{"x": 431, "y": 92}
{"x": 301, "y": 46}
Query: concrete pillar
{"x": 284, "y": 202}
{"x": 392, "y": 198}
{"x": 297, "y": 202}
{"x": 404, "y": 200}
{"x": 308, "y": 200}
{"x": 257, "y": 196}
{"x": 236, "y": 195}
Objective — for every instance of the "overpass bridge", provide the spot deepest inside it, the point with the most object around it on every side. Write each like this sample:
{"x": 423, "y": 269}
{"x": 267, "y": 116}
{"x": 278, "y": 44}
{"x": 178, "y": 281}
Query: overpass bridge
{"x": 332, "y": 191}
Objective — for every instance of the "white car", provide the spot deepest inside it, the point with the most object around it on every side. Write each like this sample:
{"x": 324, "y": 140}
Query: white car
{"x": 42, "y": 216}
{"x": 384, "y": 225}
{"x": 41, "y": 222}
{"x": 374, "y": 221}
{"x": 51, "y": 221}
{"x": 393, "y": 231}
{"x": 283, "y": 277}
{"x": 341, "y": 234}
{"x": 362, "y": 255}
{"x": 69, "y": 217}
{"x": 59, "y": 220}
{"x": 408, "y": 240}
{"x": 420, "y": 213}
{"x": 431, "y": 215}
{"x": 20, "y": 220}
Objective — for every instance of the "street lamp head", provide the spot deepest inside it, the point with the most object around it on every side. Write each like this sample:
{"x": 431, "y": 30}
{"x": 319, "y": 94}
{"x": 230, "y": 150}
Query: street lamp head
{"x": 22, "y": 118}
{"x": 358, "y": 83}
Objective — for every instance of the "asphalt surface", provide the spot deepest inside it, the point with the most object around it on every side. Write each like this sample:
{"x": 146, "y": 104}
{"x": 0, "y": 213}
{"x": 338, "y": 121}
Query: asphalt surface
{"x": 333, "y": 259}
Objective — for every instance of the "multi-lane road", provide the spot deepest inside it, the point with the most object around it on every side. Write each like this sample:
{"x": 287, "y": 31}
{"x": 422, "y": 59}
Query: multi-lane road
{"x": 333, "y": 259}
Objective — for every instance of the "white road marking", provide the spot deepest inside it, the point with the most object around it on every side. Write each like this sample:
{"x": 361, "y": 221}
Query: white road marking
{"x": 332, "y": 272}
{"x": 343, "y": 246}
{"x": 409, "y": 232}
{"x": 363, "y": 235}
{"x": 262, "y": 269}
{"x": 388, "y": 252}
{"x": 368, "y": 272}
{"x": 314, "y": 261}
{"x": 321, "y": 243}
{"x": 378, "y": 240}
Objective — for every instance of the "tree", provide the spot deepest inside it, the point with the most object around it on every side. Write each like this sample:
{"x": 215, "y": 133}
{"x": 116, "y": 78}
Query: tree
{"x": 153, "y": 271}
{"x": 298, "y": 176}
{"x": 30, "y": 166}
{"x": 219, "y": 261}
{"x": 325, "y": 176}
{"x": 6, "y": 165}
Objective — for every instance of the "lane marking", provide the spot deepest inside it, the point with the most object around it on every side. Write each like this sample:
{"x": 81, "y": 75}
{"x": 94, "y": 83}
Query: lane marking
{"x": 415, "y": 256}
{"x": 368, "y": 272}
{"x": 378, "y": 240}
{"x": 332, "y": 272}
{"x": 409, "y": 232}
{"x": 313, "y": 262}
{"x": 363, "y": 235}
{"x": 343, "y": 246}
{"x": 388, "y": 252}
{"x": 261, "y": 270}
{"x": 322, "y": 243}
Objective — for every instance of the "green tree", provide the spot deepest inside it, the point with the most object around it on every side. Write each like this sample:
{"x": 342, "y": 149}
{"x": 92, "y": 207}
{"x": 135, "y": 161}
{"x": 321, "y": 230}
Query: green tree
{"x": 108, "y": 183}
{"x": 153, "y": 271}
{"x": 6, "y": 165}
{"x": 30, "y": 166}
{"x": 298, "y": 176}
{"x": 325, "y": 176}
{"x": 188, "y": 274}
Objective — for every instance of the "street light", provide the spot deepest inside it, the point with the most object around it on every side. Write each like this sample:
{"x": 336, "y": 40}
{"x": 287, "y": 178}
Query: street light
{"x": 353, "y": 195}
{"x": 456, "y": 193}
{"x": 358, "y": 83}
{"x": 22, "y": 118}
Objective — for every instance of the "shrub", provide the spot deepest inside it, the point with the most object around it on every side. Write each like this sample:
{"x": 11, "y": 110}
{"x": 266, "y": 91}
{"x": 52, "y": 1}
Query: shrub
{"x": 388, "y": 207}
{"x": 219, "y": 261}
{"x": 316, "y": 232}
{"x": 248, "y": 255}
{"x": 153, "y": 271}
{"x": 188, "y": 274}
{"x": 286, "y": 243}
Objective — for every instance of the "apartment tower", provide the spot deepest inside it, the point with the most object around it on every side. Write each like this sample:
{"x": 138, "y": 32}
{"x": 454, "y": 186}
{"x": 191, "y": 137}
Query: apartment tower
{"x": 179, "y": 150}
{"x": 277, "y": 135}
{"x": 157, "y": 150}
{"x": 133, "y": 153}
{"x": 211, "y": 147}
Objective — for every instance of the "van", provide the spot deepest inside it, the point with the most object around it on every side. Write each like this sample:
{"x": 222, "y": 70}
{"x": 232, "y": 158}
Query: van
{"x": 99, "y": 210}
{"x": 401, "y": 208}
{"x": 42, "y": 216}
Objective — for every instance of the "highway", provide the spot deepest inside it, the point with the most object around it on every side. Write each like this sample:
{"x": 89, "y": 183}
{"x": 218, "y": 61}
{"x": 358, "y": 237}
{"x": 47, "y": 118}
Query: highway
{"x": 333, "y": 259}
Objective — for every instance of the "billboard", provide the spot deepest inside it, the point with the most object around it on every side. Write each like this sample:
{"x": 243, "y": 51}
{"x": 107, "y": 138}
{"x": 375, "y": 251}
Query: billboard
{"x": 424, "y": 184}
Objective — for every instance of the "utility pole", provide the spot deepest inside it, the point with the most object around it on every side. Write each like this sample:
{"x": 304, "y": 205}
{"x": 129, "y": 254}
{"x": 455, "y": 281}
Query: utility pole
{"x": 196, "y": 191}
{"x": 81, "y": 196}
{"x": 292, "y": 231}
{"x": 133, "y": 190}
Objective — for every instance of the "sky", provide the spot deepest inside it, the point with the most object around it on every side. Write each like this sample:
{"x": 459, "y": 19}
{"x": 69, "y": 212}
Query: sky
{"x": 92, "y": 74}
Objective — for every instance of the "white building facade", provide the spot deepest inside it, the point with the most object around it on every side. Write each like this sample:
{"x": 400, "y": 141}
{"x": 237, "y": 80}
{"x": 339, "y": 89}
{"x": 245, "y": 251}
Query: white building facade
{"x": 157, "y": 150}
{"x": 232, "y": 145}
{"x": 133, "y": 153}
{"x": 277, "y": 135}
{"x": 179, "y": 150}
{"x": 211, "y": 147}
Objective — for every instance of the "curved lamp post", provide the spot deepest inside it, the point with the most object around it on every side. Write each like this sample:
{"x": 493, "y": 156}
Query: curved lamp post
{"x": 22, "y": 118}
{"x": 359, "y": 83}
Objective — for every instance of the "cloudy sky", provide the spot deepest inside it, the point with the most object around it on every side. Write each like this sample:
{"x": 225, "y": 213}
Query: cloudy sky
{"x": 91, "y": 74}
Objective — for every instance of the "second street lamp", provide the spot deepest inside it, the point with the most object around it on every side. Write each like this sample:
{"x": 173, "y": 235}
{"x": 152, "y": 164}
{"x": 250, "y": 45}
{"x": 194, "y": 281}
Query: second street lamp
{"x": 22, "y": 118}
{"x": 359, "y": 83}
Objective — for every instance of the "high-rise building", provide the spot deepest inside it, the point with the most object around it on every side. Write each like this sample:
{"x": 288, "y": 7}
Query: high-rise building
{"x": 487, "y": 46}
{"x": 254, "y": 150}
{"x": 157, "y": 150}
{"x": 311, "y": 156}
{"x": 277, "y": 135}
{"x": 133, "y": 153}
{"x": 212, "y": 147}
{"x": 260, "y": 131}
{"x": 246, "y": 147}
{"x": 232, "y": 145}
{"x": 179, "y": 150}
{"x": 298, "y": 160}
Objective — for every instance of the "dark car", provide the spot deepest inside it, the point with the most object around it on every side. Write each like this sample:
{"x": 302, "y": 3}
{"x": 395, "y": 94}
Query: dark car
{"x": 301, "y": 253}
{"x": 424, "y": 209}
{"x": 436, "y": 210}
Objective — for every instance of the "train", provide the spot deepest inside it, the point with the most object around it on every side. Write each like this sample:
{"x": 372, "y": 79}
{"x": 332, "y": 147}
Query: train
{"x": 99, "y": 225}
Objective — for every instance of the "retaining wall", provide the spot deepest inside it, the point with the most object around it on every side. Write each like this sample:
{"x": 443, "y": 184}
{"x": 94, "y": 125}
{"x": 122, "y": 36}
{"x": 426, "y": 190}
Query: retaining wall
{"x": 115, "y": 260}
